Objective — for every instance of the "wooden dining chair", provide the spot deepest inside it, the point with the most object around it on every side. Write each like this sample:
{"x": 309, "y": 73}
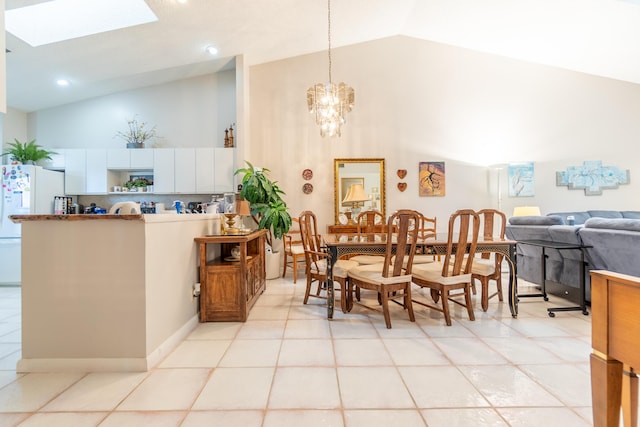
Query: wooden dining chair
{"x": 316, "y": 261}
{"x": 454, "y": 272}
{"x": 293, "y": 248}
{"x": 488, "y": 266}
{"x": 371, "y": 222}
{"x": 394, "y": 273}
{"x": 426, "y": 232}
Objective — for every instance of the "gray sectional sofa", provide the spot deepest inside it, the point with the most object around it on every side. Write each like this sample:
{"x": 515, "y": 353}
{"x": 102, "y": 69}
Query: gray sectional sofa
{"x": 613, "y": 235}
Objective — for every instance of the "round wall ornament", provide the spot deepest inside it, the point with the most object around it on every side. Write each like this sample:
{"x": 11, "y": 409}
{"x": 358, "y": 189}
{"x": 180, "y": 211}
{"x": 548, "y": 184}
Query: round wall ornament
{"x": 307, "y": 174}
{"x": 307, "y": 188}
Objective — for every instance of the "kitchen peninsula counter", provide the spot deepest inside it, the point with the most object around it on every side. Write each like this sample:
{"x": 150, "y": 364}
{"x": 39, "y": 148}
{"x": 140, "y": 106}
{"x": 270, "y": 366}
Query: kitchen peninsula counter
{"x": 107, "y": 292}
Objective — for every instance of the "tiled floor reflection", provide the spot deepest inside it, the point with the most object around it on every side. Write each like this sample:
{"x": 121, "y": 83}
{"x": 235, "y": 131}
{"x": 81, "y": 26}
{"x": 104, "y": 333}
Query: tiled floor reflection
{"x": 289, "y": 366}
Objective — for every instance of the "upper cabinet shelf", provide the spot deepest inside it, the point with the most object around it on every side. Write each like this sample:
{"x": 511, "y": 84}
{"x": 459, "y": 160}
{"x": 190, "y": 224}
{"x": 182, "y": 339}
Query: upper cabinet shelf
{"x": 175, "y": 170}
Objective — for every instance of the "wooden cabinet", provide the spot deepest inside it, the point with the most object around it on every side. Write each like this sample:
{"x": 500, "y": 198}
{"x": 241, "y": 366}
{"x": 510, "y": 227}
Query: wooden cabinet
{"x": 229, "y": 288}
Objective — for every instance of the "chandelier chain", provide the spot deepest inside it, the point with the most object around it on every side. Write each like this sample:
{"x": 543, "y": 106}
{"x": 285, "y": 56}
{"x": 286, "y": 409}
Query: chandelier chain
{"x": 329, "y": 35}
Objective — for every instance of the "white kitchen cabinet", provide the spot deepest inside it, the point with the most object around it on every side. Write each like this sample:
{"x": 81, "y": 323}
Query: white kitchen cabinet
{"x": 75, "y": 171}
{"x": 224, "y": 168}
{"x": 163, "y": 170}
{"x": 185, "y": 170}
{"x": 205, "y": 170}
{"x": 141, "y": 159}
{"x": 118, "y": 158}
{"x": 57, "y": 160}
{"x": 96, "y": 174}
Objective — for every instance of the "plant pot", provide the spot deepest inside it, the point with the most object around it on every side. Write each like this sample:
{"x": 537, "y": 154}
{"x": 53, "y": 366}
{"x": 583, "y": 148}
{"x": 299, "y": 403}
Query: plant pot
{"x": 272, "y": 265}
{"x": 134, "y": 145}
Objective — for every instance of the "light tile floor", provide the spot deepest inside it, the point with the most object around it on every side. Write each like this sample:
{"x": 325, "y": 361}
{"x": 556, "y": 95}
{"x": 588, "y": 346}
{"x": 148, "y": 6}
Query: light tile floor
{"x": 289, "y": 366}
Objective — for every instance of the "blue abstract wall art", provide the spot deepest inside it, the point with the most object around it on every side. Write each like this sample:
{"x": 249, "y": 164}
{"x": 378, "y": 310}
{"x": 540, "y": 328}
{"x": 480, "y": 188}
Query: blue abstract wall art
{"x": 592, "y": 177}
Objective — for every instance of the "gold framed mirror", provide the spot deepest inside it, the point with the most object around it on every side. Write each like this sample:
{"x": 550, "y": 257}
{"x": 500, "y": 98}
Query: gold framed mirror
{"x": 366, "y": 177}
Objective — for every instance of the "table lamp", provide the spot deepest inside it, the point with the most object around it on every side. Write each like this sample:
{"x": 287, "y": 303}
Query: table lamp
{"x": 243, "y": 209}
{"x": 356, "y": 197}
{"x": 526, "y": 211}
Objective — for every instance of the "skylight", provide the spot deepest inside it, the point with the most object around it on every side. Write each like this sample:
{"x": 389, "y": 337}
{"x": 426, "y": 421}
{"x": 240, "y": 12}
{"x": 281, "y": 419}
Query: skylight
{"x": 59, "y": 20}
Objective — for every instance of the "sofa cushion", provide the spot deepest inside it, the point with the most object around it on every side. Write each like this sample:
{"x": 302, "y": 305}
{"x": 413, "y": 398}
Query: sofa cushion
{"x": 536, "y": 220}
{"x": 579, "y": 217}
{"x": 605, "y": 214}
{"x": 631, "y": 214}
{"x": 614, "y": 224}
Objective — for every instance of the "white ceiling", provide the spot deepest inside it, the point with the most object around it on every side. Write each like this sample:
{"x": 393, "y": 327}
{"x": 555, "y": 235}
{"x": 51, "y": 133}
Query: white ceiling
{"x": 600, "y": 37}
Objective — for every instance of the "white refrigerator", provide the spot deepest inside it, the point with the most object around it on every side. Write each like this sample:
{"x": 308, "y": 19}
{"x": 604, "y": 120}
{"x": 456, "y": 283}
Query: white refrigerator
{"x": 26, "y": 189}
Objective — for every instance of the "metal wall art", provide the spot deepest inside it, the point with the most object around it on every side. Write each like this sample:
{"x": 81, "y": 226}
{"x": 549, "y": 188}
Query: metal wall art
{"x": 592, "y": 177}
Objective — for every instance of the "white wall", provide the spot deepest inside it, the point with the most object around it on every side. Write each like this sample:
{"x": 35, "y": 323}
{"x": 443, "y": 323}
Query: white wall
{"x": 423, "y": 101}
{"x": 187, "y": 113}
{"x": 14, "y": 126}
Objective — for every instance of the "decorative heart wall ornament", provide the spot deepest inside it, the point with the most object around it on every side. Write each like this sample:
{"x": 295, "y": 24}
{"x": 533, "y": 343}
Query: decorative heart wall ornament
{"x": 402, "y": 186}
{"x": 402, "y": 173}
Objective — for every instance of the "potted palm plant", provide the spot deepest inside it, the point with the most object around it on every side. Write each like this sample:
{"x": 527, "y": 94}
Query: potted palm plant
{"x": 268, "y": 210}
{"x": 27, "y": 152}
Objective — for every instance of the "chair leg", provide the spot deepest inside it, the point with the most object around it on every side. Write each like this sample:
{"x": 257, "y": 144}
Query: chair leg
{"x": 499, "y": 285}
{"x": 349, "y": 295}
{"x": 484, "y": 302}
{"x": 473, "y": 286}
{"x": 343, "y": 294}
{"x": 407, "y": 302}
{"x": 384, "y": 300}
{"x": 445, "y": 306}
{"x": 284, "y": 268}
{"x": 308, "y": 290}
{"x": 294, "y": 266}
{"x": 467, "y": 298}
{"x": 435, "y": 295}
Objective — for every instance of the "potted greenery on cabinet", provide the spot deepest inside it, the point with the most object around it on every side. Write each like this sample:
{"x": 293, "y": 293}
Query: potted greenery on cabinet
{"x": 27, "y": 152}
{"x": 268, "y": 210}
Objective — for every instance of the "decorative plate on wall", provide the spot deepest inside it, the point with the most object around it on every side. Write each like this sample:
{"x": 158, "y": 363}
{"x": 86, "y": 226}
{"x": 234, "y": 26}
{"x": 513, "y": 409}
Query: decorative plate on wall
{"x": 307, "y": 174}
{"x": 307, "y": 188}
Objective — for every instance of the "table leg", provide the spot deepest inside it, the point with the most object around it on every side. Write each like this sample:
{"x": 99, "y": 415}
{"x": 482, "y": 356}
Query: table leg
{"x": 333, "y": 251}
{"x": 513, "y": 282}
{"x": 629, "y": 397}
{"x": 606, "y": 390}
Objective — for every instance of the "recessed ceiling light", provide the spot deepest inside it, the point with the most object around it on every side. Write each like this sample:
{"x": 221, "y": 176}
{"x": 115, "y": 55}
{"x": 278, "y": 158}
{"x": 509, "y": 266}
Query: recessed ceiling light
{"x": 212, "y": 50}
{"x": 62, "y": 82}
{"x": 182, "y": 1}
{"x": 74, "y": 18}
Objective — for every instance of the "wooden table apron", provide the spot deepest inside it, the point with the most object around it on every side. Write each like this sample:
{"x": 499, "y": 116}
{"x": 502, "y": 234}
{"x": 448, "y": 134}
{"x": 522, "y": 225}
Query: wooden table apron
{"x": 370, "y": 246}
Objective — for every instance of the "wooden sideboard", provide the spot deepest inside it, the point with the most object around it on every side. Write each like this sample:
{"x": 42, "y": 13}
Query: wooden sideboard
{"x": 615, "y": 299}
{"x": 229, "y": 287}
{"x": 342, "y": 229}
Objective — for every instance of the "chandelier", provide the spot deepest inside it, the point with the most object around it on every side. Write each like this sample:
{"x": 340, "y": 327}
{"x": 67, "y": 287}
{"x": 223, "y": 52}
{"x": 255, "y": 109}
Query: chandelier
{"x": 329, "y": 101}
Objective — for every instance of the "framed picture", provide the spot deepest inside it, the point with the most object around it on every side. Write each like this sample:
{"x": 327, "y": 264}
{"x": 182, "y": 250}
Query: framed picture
{"x": 345, "y": 183}
{"x": 431, "y": 179}
{"x": 521, "y": 183}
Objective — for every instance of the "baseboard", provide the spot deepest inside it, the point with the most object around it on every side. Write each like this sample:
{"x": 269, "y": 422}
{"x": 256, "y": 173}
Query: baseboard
{"x": 122, "y": 364}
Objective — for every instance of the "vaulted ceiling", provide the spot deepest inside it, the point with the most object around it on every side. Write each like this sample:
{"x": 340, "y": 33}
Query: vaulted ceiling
{"x": 600, "y": 37}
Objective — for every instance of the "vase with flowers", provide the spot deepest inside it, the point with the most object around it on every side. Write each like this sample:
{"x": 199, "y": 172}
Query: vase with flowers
{"x": 137, "y": 134}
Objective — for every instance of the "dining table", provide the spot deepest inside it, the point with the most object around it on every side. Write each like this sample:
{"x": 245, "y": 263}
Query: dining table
{"x": 342, "y": 245}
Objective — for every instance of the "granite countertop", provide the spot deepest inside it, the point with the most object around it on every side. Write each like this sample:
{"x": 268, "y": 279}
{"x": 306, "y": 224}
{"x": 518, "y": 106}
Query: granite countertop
{"x": 125, "y": 217}
{"x": 75, "y": 217}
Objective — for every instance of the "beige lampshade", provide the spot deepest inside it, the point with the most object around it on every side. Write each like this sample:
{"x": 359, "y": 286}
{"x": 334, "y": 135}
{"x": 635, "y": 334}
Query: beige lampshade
{"x": 242, "y": 208}
{"x": 355, "y": 194}
{"x": 526, "y": 211}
